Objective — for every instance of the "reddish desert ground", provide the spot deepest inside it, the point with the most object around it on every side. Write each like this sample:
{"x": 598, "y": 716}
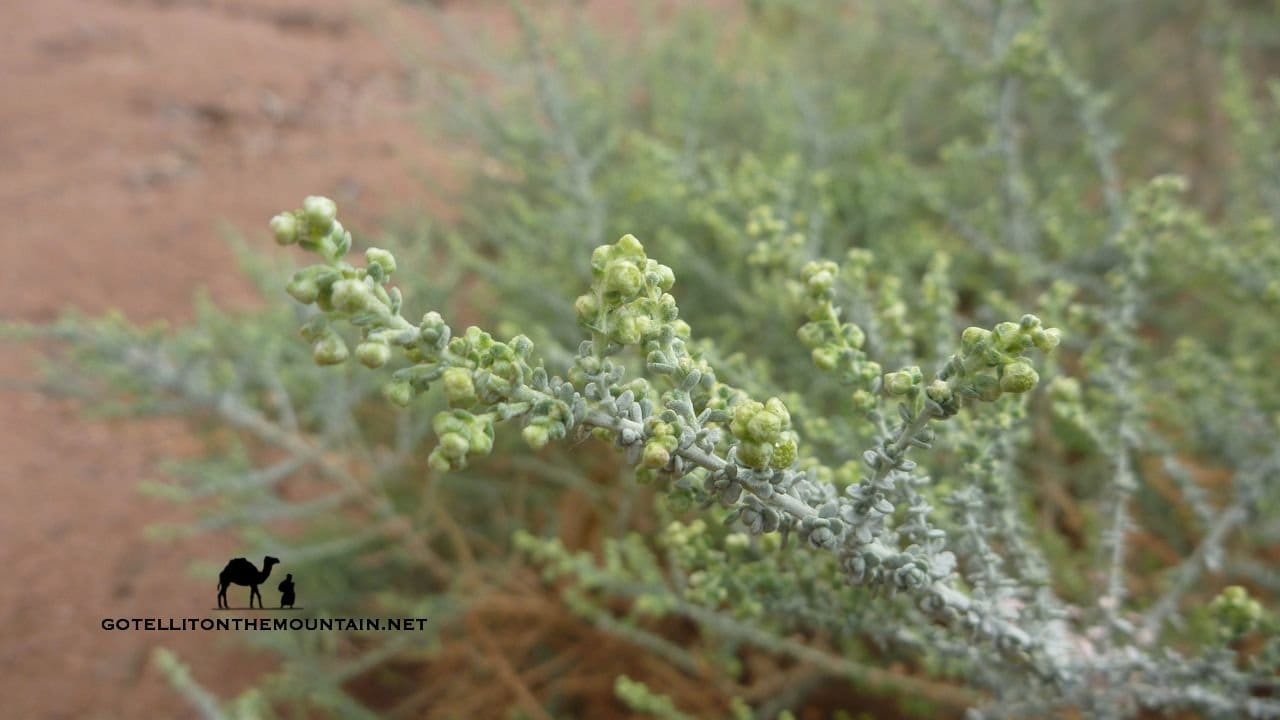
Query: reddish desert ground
{"x": 132, "y": 134}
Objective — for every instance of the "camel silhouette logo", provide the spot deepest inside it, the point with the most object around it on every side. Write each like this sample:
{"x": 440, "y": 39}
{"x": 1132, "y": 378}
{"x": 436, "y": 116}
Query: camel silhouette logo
{"x": 240, "y": 571}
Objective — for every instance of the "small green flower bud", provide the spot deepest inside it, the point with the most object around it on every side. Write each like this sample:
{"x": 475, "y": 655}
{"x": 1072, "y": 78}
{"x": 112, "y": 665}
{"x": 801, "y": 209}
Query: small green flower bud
{"x": 383, "y": 258}
{"x": 630, "y": 246}
{"x": 373, "y": 354}
{"x": 600, "y": 258}
{"x": 481, "y": 441}
{"x": 454, "y": 446}
{"x": 285, "y": 228}
{"x": 825, "y": 358}
{"x": 1236, "y": 612}
{"x": 329, "y": 350}
{"x": 811, "y": 335}
{"x": 644, "y": 326}
{"x": 623, "y": 278}
{"x": 320, "y": 213}
{"x": 627, "y": 330}
{"x": 458, "y": 386}
{"x": 666, "y": 278}
{"x": 862, "y": 400}
{"x": 823, "y": 271}
{"x": 898, "y": 383}
{"x": 587, "y": 308}
{"x": 536, "y": 436}
{"x": 303, "y": 287}
{"x": 1047, "y": 339}
{"x": 784, "y": 453}
{"x": 778, "y": 408}
{"x": 764, "y": 427}
{"x": 399, "y": 392}
{"x": 1018, "y": 377}
{"x": 438, "y": 462}
{"x": 667, "y": 308}
{"x": 755, "y": 455}
{"x": 939, "y": 391}
{"x": 655, "y": 456}
{"x": 1007, "y": 335}
{"x": 853, "y": 335}
{"x": 353, "y": 296}
{"x": 972, "y": 336}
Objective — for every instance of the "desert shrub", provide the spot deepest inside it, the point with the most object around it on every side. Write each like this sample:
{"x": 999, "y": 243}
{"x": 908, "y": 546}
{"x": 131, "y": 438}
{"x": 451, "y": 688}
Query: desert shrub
{"x": 929, "y": 377}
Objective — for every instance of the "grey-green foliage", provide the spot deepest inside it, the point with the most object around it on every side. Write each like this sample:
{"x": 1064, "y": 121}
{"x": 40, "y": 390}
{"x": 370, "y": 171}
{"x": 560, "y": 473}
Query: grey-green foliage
{"x": 961, "y": 164}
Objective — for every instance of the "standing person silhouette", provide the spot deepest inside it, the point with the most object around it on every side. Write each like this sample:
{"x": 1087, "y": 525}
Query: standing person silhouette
{"x": 286, "y": 590}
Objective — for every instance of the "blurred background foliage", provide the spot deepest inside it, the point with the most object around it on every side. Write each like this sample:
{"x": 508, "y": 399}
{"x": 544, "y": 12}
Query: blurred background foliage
{"x": 965, "y": 161}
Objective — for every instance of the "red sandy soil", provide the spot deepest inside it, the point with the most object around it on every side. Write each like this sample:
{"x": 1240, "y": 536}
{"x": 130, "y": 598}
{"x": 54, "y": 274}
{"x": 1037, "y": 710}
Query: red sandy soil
{"x": 130, "y": 131}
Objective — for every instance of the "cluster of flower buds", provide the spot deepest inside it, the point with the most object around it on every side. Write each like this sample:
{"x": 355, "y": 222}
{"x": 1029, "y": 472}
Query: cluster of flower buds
{"x": 314, "y": 227}
{"x": 461, "y": 435}
{"x": 989, "y": 364}
{"x": 628, "y": 302}
{"x": 1236, "y": 613}
{"x": 764, "y": 434}
{"x": 834, "y": 346}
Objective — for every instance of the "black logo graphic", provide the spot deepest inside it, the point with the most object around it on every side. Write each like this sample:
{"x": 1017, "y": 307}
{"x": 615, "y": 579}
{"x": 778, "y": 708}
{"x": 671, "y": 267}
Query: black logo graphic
{"x": 286, "y": 592}
{"x": 240, "y": 571}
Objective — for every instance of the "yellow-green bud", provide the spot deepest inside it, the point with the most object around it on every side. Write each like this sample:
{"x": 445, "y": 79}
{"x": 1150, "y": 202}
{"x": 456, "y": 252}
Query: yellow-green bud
{"x": 1007, "y": 335}
{"x": 939, "y": 392}
{"x": 1046, "y": 339}
{"x": 784, "y": 453}
{"x": 755, "y": 455}
{"x": 329, "y": 350}
{"x": 454, "y": 446}
{"x": 777, "y": 407}
{"x": 320, "y": 213}
{"x": 352, "y": 296}
{"x": 972, "y": 336}
{"x": 285, "y": 228}
{"x": 399, "y": 392}
{"x": 378, "y": 256}
{"x": 811, "y": 335}
{"x": 764, "y": 427}
{"x": 655, "y": 456}
{"x": 1018, "y": 377}
{"x": 587, "y": 307}
{"x": 600, "y": 257}
{"x": 629, "y": 245}
{"x": 627, "y": 330}
{"x": 536, "y": 436}
{"x": 824, "y": 358}
{"x": 1238, "y": 613}
{"x": 623, "y": 278}
{"x": 666, "y": 278}
{"x": 373, "y": 354}
{"x": 862, "y": 400}
{"x": 438, "y": 462}
{"x": 481, "y": 441}
{"x": 898, "y": 383}
{"x": 459, "y": 387}
{"x": 303, "y": 287}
